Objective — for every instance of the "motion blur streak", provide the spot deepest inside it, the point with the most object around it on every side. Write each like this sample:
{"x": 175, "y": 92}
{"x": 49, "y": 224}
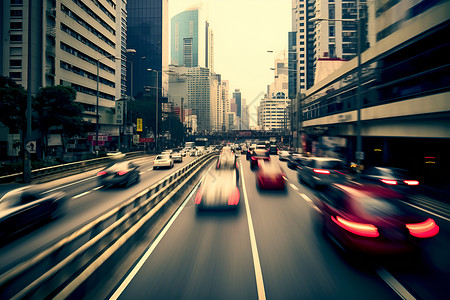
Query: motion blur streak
{"x": 357, "y": 228}
{"x": 256, "y": 262}
{"x": 423, "y": 230}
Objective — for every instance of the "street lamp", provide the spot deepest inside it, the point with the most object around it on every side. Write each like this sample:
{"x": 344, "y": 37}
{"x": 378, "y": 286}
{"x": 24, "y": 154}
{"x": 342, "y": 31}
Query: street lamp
{"x": 98, "y": 91}
{"x": 157, "y": 107}
{"x": 359, "y": 154}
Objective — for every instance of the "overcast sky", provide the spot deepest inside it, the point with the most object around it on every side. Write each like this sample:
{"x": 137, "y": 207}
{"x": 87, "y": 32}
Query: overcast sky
{"x": 243, "y": 32}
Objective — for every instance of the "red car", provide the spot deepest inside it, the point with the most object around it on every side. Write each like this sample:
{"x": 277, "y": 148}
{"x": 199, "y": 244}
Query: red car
{"x": 257, "y": 155}
{"x": 372, "y": 219}
{"x": 270, "y": 176}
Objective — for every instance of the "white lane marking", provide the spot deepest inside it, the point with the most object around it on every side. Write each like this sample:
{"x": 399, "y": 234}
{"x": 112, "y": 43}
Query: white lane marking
{"x": 150, "y": 169}
{"x": 85, "y": 193}
{"x": 306, "y": 198}
{"x": 140, "y": 173}
{"x": 61, "y": 187}
{"x": 394, "y": 284}
{"x": 150, "y": 250}
{"x": 430, "y": 212}
{"x": 293, "y": 186}
{"x": 256, "y": 261}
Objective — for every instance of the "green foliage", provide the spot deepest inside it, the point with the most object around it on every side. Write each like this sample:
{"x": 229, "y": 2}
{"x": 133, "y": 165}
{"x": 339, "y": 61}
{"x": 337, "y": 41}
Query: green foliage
{"x": 55, "y": 106}
{"x": 143, "y": 107}
{"x": 13, "y": 104}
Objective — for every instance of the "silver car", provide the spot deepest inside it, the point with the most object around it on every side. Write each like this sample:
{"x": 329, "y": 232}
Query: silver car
{"x": 320, "y": 171}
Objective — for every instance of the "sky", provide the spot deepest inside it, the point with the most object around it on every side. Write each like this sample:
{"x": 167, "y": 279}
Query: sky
{"x": 244, "y": 30}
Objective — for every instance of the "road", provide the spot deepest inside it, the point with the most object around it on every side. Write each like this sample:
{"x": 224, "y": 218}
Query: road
{"x": 87, "y": 200}
{"x": 273, "y": 249}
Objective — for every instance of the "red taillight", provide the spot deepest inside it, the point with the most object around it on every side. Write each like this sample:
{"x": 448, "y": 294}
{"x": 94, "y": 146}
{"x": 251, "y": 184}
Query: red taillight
{"x": 233, "y": 199}
{"x": 411, "y": 182}
{"x": 389, "y": 181}
{"x": 253, "y": 158}
{"x": 120, "y": 173}
{"x": 101, "y": 173}
{"x": 362, "y": 229}
{"x": 423, "y": 230}
{"x": 199, "y": 196}
{"x": 321, "y": 171}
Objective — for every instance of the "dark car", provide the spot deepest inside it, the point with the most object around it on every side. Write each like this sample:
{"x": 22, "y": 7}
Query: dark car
{"x": 249, "y": 151}
{"x": 227, "y": 159}
{"x": 258, "y": 154}
{"x": 321, "y": 171}
{"x": 294, "y": 160}
{"x": 393, "y": 178}
{"x": 219, "y": 190}
{"x": 270, "y": 176}
{"x": 21, "y": 208}
{"x": 369, "y": 219}
{"x": 273, "y": 149}
{"x": 119, "y": 174}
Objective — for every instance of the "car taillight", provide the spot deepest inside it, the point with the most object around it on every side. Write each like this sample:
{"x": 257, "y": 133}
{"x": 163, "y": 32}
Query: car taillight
{"x": 122, "y": 173}
{"x": 253, "y": 158}
{"x": 199, "y": 196}
{"x": 411, "y": 182}
{"x": 233, "y": 199}
{"x": 389, "y": 181}
{"x": 423, "y": 230}
{"x": 321, "y": 171}
{"x": 101, "y": 173}
{"x": 362, "y": 229}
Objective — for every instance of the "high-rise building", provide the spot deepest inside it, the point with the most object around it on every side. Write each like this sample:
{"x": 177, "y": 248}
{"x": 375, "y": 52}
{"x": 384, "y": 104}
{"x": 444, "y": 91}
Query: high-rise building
{"x": 238, "y": 100}
{"x": 216, "y": 103}
{"x": 148, "y": 34}
{"x": 61, "y": 43}
{"x": 199, "y": 96}
{"x": 191, "y": 40}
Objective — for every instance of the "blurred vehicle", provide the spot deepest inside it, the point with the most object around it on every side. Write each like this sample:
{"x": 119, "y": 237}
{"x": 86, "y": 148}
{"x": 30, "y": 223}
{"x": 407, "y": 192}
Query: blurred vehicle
{"x": 119, "y": 174}
{"x": 183, "y": 152}
{"x": 270, "y": 175}
{"x": 258, "y": 154}
{"x": 167, "y": 152}
{"x": 249, "y": 151}
{"x": 273, "y": 149}
{"x": 372, "y": 219}
{"x": 176, "y": 156}
{"x": 193, "y": 152}
{"x": 283, "y": 155}
{"x": 294, "y": 160}
{"x": 162, "y": 160}
{"x": 219, "y": 190}
{"x": 393, "y": 178}
{"x": 261, "y": 146}
{"x": 320, "y": 171}
{"x": 227, "y": 159}
{"x": 115, "y": 155}
{"x": 23, "y": 207}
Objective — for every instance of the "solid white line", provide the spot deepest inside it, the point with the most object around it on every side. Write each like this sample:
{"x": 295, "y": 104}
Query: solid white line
{"x": 430, "y": 212}
{"x": 306, "y": 198}
{"x": 81, "y": 195}
{"x": 60, "y": 187}
{"x": 150, "y": 250}
{"x": 293, "y": 186}
{"x": 256, "y": 262}
{"x": 97, "y": 188}
{"x": 394, "y": 284}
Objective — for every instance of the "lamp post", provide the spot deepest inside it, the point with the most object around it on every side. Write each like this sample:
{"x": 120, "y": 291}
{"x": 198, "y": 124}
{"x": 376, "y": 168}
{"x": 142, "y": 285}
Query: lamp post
{"x": 157, "y": 107}
{"x": 98, "y": 92}
{"x": 359, "y": 153}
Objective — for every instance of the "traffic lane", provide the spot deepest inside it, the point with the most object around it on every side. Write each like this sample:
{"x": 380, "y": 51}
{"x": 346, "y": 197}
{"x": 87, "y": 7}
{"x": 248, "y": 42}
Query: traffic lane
{"x": 202, "y": 256}
{"x": 297, "y": 262}
{"x": 88, "y": 202}
{"x": 428, "y": 278}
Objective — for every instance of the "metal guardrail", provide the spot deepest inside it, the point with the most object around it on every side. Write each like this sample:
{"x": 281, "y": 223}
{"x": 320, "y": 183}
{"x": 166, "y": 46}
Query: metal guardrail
{"x": 38, "y": 173}
{"x": 59, "y": 270}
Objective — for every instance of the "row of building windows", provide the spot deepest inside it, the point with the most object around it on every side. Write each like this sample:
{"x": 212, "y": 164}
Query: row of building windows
{"x": 81, "y": 72}
{"x": 84, "y": 40}
{"x": 15, "y": 25}
{"x": 15, "y": 13}
{"x": 95, "y": 16}
{"x": 85, "y": 57}
{"x": 83, "y": 23}
{"x": 86, "y": 90}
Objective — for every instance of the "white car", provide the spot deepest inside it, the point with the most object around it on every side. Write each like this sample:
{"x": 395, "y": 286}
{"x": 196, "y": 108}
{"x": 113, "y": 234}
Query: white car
{"x": 162, "y": 160}
{"x": 176, "y": 156}
{"x": 283, "y": 155}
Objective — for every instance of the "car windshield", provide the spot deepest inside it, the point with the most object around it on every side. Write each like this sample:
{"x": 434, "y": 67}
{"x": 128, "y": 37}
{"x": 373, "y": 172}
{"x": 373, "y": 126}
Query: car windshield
{"x": 377, "y": 206}
{"x": 330, "y": 164}
{"x": 162, "y": 157}
{"x": 389, "y": 172}
{"x": 261, "y": 153}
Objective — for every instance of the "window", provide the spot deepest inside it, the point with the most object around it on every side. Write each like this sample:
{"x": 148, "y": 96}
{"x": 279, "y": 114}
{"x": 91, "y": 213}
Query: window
{"x": 16, "y": 13}
{"x": 15, "y": 63}
{"x": 15, "y": 25}
{"x": 15, "y": 75}
{"x": 16, "y": 2}
{"x": 15, "y": 38}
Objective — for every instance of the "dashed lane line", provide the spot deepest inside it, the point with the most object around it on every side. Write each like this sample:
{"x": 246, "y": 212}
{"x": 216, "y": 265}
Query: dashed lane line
{"x": 394, "y": 284}
{"x": 85, "y": 193}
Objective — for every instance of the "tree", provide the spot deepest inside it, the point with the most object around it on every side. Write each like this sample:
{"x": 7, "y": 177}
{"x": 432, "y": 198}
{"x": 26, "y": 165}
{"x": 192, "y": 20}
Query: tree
{"x": 55, "y": 107}
{"x": 13, "y": 105}
{"x": 176, "y": 129}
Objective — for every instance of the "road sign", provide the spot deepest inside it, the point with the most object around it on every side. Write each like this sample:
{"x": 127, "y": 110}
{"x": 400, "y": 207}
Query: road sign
{"x": 139, "y": 125}
{"x": 31, "y": 147}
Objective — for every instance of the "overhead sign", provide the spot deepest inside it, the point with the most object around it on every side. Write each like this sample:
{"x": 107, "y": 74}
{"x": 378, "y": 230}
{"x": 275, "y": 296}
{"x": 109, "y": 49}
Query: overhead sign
{"x": 146, "y": 140}
{"x": 31, "y": 147}
{"x": 119, "y": 112}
